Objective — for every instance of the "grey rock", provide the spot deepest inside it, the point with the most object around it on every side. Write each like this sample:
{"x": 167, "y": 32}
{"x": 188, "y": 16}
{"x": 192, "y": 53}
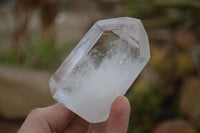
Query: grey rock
{"x": 21, "y": 90}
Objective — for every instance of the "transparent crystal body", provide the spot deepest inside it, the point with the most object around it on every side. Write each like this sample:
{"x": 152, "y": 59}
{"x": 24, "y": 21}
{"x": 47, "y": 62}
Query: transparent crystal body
{"x": 101, "y": 67}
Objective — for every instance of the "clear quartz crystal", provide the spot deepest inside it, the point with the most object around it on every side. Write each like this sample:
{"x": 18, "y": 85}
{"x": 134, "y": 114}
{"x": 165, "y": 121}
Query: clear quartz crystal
{"x": 101, "y": 67}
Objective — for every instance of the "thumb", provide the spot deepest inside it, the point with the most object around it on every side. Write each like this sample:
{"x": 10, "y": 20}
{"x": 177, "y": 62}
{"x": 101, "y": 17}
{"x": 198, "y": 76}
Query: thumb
{"x": 118, "y": 119}
{"x": 119, "y": 116}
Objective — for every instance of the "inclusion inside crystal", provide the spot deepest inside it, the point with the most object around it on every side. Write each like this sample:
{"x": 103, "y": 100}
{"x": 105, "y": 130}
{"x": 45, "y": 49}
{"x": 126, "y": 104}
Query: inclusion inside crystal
{"x": 106, "y": 69}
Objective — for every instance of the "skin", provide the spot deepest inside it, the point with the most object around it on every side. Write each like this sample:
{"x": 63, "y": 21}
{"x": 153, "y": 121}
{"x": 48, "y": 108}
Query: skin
{"x": 59, "y": 119}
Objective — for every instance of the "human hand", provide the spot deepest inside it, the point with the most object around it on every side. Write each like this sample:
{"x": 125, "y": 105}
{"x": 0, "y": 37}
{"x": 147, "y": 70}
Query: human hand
{"x": 59, "y": 119}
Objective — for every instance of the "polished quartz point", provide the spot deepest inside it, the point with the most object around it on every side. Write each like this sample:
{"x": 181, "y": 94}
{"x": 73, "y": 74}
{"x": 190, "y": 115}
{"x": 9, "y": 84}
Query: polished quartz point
{"x": 101, "y": 67}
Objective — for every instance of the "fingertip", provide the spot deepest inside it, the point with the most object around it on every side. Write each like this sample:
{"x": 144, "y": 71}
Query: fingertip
{"x": 121, "y": 105}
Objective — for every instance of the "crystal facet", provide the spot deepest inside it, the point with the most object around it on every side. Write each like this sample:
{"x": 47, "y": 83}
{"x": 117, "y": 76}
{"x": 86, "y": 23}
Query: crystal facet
{"x": 101, "y": 67}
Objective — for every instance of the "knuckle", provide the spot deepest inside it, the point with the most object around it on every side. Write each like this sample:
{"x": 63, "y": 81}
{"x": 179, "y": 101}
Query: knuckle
{"x": 36, "y": 112}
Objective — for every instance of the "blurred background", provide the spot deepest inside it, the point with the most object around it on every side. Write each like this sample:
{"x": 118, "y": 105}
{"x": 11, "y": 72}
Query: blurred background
{"x": 37, "y": 35}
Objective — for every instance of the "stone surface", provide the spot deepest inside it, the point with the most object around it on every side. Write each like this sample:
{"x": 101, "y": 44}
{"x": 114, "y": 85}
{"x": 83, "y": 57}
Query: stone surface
{"x": 101, "y": 67}
{"x": 22, "y": 90}
{"x": 190, "y": 99}
{"x": 175, "y": 126}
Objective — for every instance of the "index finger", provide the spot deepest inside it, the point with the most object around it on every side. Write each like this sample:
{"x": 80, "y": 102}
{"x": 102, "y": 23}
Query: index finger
{"x": 53, "y": 118}
{"x": 57, "y": 116}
